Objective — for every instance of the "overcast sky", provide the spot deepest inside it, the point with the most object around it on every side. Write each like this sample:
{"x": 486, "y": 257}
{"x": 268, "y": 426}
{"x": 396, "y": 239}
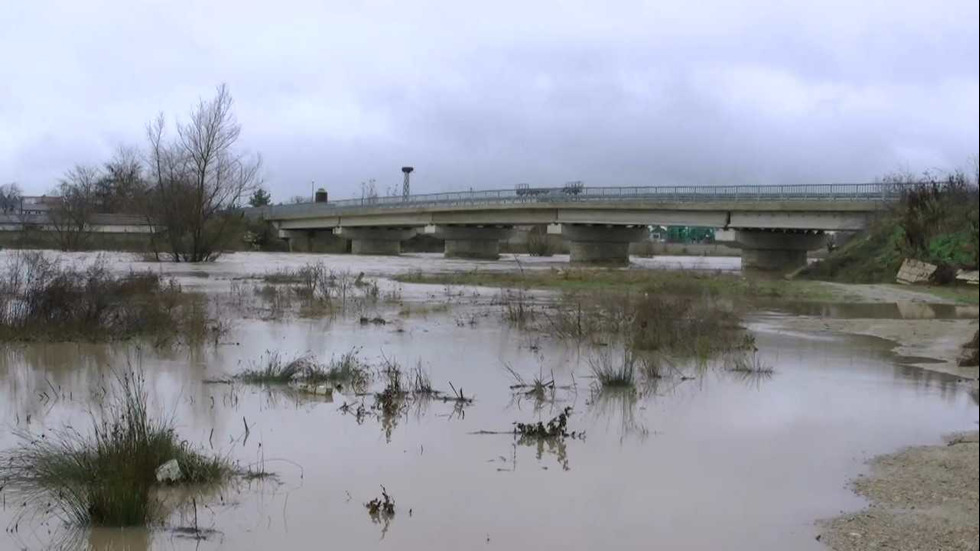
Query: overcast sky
{"x": 487, "y": 94}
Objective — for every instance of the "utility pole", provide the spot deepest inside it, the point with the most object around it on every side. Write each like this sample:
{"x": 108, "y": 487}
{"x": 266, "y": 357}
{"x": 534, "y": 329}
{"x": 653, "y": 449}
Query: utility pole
{"x": 406, "y": 187}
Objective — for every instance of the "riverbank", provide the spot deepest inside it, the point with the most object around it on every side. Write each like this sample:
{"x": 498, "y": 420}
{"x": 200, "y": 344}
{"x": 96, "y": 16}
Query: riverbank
{"x": 921, "y": 498}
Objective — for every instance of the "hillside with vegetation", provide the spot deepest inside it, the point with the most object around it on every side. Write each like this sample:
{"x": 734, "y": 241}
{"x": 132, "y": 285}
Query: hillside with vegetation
{"x": 935, "y": 221}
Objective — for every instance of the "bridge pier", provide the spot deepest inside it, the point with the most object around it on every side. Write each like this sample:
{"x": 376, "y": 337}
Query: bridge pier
{"x": 601, "y": 245}
{"x": 479, "y": 242}
{"x": 774, "y": 251}
{"x": 377, "y": 240}
{"x": 313, "y": 241}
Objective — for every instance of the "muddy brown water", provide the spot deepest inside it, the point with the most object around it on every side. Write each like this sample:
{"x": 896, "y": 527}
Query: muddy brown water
{"x": 720, "y": 462}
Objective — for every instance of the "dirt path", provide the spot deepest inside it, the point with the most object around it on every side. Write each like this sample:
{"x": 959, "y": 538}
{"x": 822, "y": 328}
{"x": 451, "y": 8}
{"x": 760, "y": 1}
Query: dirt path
{"x": 922, "y": 498}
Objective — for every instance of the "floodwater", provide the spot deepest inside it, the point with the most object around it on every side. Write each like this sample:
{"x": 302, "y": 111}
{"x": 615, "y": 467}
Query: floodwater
{"x": 721, "y": 462}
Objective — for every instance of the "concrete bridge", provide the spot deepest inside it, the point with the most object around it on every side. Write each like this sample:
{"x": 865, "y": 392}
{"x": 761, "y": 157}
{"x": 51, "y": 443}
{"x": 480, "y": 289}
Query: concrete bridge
{"x": 774, "y": 226}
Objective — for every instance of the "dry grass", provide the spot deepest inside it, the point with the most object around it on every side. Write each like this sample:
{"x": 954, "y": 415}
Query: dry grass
{"x": 685, "y": 325}
{"x": 41, "y": 299}
{"x": 314, "y": 290}
{"x": 668, "y": 282}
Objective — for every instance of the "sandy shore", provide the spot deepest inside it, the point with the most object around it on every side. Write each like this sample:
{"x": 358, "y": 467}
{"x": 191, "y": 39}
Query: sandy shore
{"x": 922, "y": 498}
{"x": 937, "y": 342}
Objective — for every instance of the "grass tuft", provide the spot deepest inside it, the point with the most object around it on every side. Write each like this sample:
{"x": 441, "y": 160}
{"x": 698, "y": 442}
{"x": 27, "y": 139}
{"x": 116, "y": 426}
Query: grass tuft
{"x": 610, "y": 373}
{"x": 106, "y": 477}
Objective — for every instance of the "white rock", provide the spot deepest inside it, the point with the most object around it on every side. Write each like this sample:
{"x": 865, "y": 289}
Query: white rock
{"x": 169, "y": 472}
{"x": 973, "y": 278}
{"x": 915, "y": 271}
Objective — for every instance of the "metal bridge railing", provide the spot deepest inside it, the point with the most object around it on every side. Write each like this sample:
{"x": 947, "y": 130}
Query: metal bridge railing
{"x": 530, "y": 196}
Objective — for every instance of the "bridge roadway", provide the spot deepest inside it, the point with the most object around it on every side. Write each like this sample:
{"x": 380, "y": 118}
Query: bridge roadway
{"x": 774, "y": 225}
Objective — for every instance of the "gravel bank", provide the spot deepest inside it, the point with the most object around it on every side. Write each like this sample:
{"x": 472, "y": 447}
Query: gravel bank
{"x": 922, "y": 498}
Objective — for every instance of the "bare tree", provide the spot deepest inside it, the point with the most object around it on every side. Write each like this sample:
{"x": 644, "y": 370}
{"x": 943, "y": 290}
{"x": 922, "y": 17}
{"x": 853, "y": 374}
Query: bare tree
{"x": 71, "y": 216}
{"x": 196, "y": 179}
{"x": 121, "y": 182}
{"x": 10, "y": 197}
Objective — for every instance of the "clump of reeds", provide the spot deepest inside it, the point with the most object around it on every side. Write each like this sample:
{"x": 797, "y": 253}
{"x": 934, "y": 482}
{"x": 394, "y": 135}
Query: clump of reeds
{"x": 518, "y": 308}
{"x": 539, "y": 388}
{"x": 611, "y": 372}
{"x": 107, "y": 476}
{"x": 747, "y": 363}
{"x": 273, "y": 368}
{"x": 419, "y": 381}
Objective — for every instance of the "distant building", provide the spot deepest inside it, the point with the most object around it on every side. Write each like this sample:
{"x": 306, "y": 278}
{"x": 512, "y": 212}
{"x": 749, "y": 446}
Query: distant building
{"x": 39, "y": 205}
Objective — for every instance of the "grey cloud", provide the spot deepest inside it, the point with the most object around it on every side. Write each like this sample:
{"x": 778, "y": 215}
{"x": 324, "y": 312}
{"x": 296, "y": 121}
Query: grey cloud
{"x": 629, "y": 93}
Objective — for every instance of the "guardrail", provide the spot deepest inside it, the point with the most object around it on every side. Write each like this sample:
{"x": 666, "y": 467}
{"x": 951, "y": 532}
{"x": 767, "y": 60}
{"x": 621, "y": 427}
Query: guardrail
{"x": 672, "y": 194}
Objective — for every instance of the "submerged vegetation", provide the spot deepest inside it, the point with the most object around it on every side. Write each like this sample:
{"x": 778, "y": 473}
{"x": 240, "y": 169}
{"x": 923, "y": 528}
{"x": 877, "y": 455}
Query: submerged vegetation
{"x": 548, "y": 437}
{"x": 686, "y": 325}
{"x": 347, "y": 370}
{"x": 381, "y": 510}
{"x": 108, "y": 475}
{"x": 399, "y": 390}
{"x": 42, "y": 299}
{"x": 670, "y": 282}
{"x": 555, "y": 428}
{"x": 311, "y": 290}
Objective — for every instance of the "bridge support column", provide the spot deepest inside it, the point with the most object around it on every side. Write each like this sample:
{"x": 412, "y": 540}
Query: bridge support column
{"x": 313, "y": 241}
{"x": 297, "y": 240}
{"x": 775, "y": 251}
{"x": 601, "y": 245}
{"x": 480, "y": 242}
{"x": 376, "y": 240}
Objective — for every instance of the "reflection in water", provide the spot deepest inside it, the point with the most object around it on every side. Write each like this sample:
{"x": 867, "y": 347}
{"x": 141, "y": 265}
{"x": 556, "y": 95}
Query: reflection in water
{"x": 753, "y": 378}
{"x": 390, "y": 411}
{"x": 883, "y": 310}
{"x": 382, "y": 511}
{"x": 552, "y": 445}
{"x": 619, "y": 406}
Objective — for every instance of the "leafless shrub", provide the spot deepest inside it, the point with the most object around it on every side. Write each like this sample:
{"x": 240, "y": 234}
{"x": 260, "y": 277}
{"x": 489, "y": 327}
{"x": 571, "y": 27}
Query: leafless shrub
{"x": 538, "y": 243}
{"x": 40, "y": 298}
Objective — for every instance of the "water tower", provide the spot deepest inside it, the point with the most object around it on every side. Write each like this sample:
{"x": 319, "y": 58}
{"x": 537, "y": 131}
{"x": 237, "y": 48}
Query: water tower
{"x": 406, "y": 188}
